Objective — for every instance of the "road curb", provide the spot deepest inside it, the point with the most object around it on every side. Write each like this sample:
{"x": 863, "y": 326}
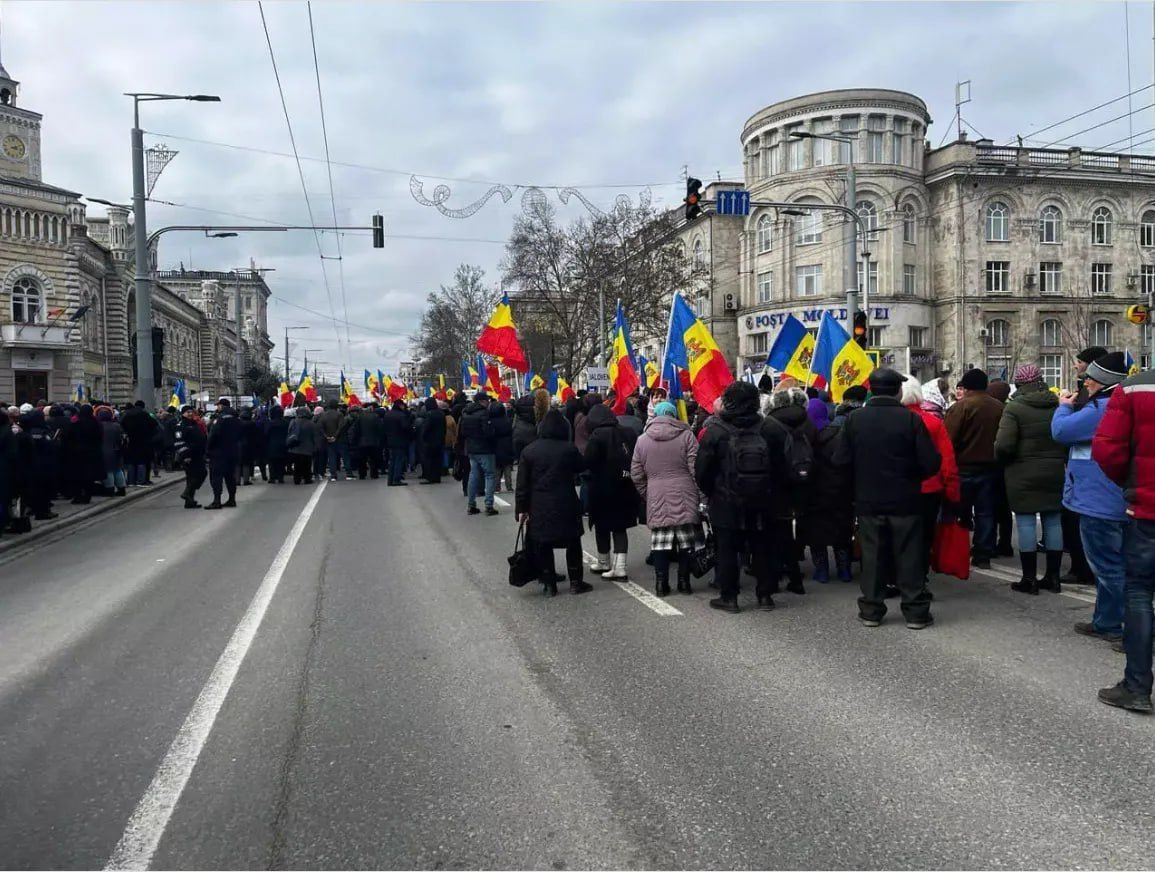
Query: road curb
{"x": 43, "y": 531}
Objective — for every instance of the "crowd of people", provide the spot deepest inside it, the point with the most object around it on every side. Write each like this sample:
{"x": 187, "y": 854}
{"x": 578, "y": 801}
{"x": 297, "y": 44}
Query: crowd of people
{"x": 751, "y": 483}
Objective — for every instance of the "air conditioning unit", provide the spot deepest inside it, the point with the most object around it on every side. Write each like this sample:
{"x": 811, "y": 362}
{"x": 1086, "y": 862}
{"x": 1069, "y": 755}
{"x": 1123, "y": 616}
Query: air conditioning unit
{"x": 730, "y": 303}
{"x": 1029, "y": 278}
{"x": 983, "y": 333}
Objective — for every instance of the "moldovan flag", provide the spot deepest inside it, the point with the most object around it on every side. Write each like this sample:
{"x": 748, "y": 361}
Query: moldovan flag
{"x": 793, "y": 350}
{"x": 305, "y": 388}
{"x": 285, "y": 395}
{"x": 372, "y": 385}
{"x": 623, "y": 375}
{"x": 178, "y": 394}
{"x": 692, "y": 347}
{"x": 347, "y": 396}
{"x": 675, "y": 394}
{"x": 469, "y": 377}
{"x": 499, "y": 338}
{"x": 493, "y": 379}
{"x": 395, "y": 389}
{"x": 564, "y": 391}
{"x": 533, "y": 381}
{"x": 1129, "y": 362}
{"x": 839, "y": 359}
{"x": 79, "y": 395}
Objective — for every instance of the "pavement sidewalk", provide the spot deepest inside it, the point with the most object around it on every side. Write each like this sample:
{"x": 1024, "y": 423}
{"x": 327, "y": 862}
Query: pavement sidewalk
{"x": 72, "y": 515}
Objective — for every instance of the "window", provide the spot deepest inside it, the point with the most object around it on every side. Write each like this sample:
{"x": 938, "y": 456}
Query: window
{"x": 998, "y": 276}
{"x": 908, "y": 279}
{"x": 1101, "y": 226}
{"x": 808, "y": 280}
{"x": 699, "y": 256}
{"x": 1147, "y": 229}
{"x": 765, "y": 233}
{"x": 756, "y": 343}
{"x": 774, "y": 159}
{"x": 999, "y": 333}
{"x": 998, "y": 222}
{"x": 874, "y": 337}
{"x": 847, "y": 127}
{"x": 1050, "y": 333}
{"x": 1051, "y": 366}
{"x": 872, "y": 276}
{"x": 875, "y": 131}
{"x": 823, "y": 148}
{"x": 765, "y": 286}
{"x": 918, "y": 337}
{"x": 909, "y": 227}
{"x": 1100, "y": 278}
{"x": 1050, "y": 277}
{"x": 868, "y": 213}
{"x": 1147, "y": 278}
{"x": 1050, "y": 225}
{"x": 898, "y": 141}
{"x": 809, "y": 227}
{"x": 26, "y": 306}
{"x": 795, "y": 149}
{"x": 1102, "y": 333}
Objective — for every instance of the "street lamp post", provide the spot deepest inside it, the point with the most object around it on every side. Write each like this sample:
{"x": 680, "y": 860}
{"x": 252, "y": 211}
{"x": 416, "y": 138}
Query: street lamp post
{"x": 289, "y": 375}
{"x": 145, "y": 385}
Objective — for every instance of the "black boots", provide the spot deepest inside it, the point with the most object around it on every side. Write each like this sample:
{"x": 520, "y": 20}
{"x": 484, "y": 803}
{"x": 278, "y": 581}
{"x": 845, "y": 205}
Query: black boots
{"x": 723, "y": 604}
{"x": 662, "y": 582}
{"x": 842, "y": 562}
{"x": 215, "y": 504}
{"x": 191, "y": 503}
{"x": 576, "y": 584}
{"x": 1029, "y": 583}
{"x": 684, "y": 576}
{"x": 1050, "y": 580}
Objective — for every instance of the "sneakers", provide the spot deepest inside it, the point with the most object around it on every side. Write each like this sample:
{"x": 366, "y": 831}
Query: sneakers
{"x": 472, "y": 510}
{"x": 618, "y": 571}
{"x": 1121, "y": 696}
{"x": 725, "y": 605}
{"x": 920, "y": 624}
{"x": 490, "y": 512}
{"x": 870, "y": 622}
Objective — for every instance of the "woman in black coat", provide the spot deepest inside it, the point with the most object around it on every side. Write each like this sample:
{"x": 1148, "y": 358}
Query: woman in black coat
{"x": 276, "y": 452}
{"x": 80, "y": 453}
{"x": 432, "y": 443}
{"x": 613, "y": 501}
{"x": 828, "y": 518}
{"x": 546, "y": 499}
{"x": 501, "y": 426}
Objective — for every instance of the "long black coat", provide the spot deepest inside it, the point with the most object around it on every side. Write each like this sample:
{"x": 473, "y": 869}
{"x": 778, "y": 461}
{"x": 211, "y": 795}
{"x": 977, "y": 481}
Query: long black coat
{"x": 8, "y": 461}
{"x": 80, "y": 449}
{"x": 501, "y": 428}
{"x": 433, "y": 433}
{"x": 398, "y": 425}
{"x": 225, "y": 439}
{"x": 613, "y": 500}
{"x": 828, "y": 518}
{"x": 140, "y": 428}
{"x": 546, "y": 480}
{"x": 276, "y": 433}
{"x": 524, "y": 424}
{"x": 37, "y": 453}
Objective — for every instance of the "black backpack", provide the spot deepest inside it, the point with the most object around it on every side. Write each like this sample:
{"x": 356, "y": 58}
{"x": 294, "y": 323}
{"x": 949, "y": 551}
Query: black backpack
{"x": 748, "y": 468}
{"x": 799, "y": 459}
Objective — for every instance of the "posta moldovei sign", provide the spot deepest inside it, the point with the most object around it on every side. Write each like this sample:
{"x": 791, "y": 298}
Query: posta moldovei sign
{"x": 810, "y": 316}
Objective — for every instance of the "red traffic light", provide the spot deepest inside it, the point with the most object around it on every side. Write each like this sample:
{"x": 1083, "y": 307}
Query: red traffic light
{"x": 693, "y": 196}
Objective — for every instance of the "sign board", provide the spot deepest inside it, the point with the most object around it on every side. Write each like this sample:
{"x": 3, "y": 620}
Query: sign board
{"x": 31, "y": 358}
{"x": 732, "y": 203}
{"x": 1138, "y": 314}
{"x": 597, "y": 379}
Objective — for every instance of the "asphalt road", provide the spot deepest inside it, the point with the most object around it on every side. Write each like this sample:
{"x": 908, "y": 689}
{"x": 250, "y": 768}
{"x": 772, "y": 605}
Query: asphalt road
{"x": 178, "y": 689}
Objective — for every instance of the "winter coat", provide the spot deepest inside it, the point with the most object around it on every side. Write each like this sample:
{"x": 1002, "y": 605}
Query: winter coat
{"x": 524, "y": 424}
{"x": 475, "y": 430}
{"x": 168, "y": 427}
{"x": 276, "y": 432}
{"x": 501, "y": 429}
{"x": 633, "y": 423}
{"x": 304, "y": 436}
{"x": 1086, "y": 489}
{"x": 612, "y": 499}
{"x": 725, "y": 509}
{"x": 1124, "y": 444}
{"x": 828, "y": 517}
{"x": 224, "y": 447}
{"x": 331, "y": 422}
{"x": 111, "y": 446}
{"x": 80, "y": 448}
{"x": 191, "y": 443}
{"x": 450, "y": 431}
{"x": 946, "y": 480}
{"x": 433, "y": 434}
{"x": 792, "y": 501}
{"x": 581, "y": 430}
{"x": 890, "y": 454}
{"x": 36, "y": 455}
{"x": 398, "y": 426}
{"x": 663, "y": 473}
{"x": 1034, "y": 461}
{"x": 139, "y": 428}
{"x": 251, "y": 440}
{"x": 546, "y": 478}
{"x": 973, "y": 423}
{"x": 9, "y": 457}
{"x": 368, "y": 430}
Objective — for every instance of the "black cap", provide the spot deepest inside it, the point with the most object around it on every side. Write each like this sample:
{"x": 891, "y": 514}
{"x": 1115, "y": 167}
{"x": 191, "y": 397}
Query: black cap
{"x": 886, "y": 381}
{"x": 854, "y": 394}
{"x": 1091, "y": 354}
{"x": 974, "y": 380}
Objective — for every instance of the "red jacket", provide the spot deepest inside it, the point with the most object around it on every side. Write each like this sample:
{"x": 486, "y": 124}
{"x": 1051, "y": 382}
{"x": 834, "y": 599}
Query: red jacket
{"x": 946, "y": 479}
{"x": 1124, "y": 444}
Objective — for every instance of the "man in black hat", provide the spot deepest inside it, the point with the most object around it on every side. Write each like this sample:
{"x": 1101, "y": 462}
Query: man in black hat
{"x": 1082, "y": 360}
{"x": 189, "y": 449}
{"x": 973, "y": 423}
{"x": 891, "y": 453}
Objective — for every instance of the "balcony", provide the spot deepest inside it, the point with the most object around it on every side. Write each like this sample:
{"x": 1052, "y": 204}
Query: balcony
{"x": 35, "y": 335}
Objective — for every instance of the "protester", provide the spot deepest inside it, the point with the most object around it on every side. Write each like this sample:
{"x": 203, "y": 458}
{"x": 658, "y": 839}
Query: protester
{"x": 973, "y": 422}
{"x": 251, "y": 446}
{"x": 788, "y": 406}
{"x": 612, "y": 499}
{"x": 398, "y": 426}
{"x": 525, "y": 422}
{"x": 140, "y": 429}
{"x": 224, "y": 454}
{"x": 332, "y": 423}
{"x": 662, "y": 470}
{"x": 112, "y": 440}
{"x": 37, "y": 465}
{"x": 276, "y": 452}
{"x": 1080, "y": 571}
{"x": 433, "y": 443}
{"x": 581, "y": 426}
{"x": 1083, "y": 360}
{"x": 1001, "y": 391}
{"x": 827, "y": 519}
{"x": 1124, "y": 447}
{"x": 80, "y": 451}
{"x": 189, "y": 449}
{"x": 303, "y": 440}
{"x": 8, "y": 460}
{"x": 501, "y": 429}
{"x": 476, "y": 432}
{"x": 891, "y": 454}
{"x": 941, "y": 491}
{"x": 367, "y": 434}
{"x": 546, "y": 500}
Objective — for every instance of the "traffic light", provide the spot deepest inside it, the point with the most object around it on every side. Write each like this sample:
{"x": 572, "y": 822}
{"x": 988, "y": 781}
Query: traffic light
{"x": 693, "y": 198}
{"x": 158, "y": 355}
{"x": 860, "y": 328}
{"x": 378, "y": 231}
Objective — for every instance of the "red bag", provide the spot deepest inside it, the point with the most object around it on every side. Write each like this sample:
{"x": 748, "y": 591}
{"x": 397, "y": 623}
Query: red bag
{"x": 951, "y": 552}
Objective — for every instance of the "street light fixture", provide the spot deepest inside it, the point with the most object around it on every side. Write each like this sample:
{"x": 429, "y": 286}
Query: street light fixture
{"x": 145, "y": 387}
{"x": 218, "y": 235}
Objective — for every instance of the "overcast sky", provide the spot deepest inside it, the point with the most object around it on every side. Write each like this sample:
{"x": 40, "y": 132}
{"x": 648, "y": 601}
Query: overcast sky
{"x": 584, "y": 94}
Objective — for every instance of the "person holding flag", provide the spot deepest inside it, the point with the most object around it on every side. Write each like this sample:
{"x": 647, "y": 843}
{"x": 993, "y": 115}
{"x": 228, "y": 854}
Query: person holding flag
{"x": 499, "y": 338}
{"x": 305, "y": 387}
{"x": 469, "y": 376}
{"x": 623, "y": 375}
{"x": 285, "y": 396}
{"x": 177, "y": 400}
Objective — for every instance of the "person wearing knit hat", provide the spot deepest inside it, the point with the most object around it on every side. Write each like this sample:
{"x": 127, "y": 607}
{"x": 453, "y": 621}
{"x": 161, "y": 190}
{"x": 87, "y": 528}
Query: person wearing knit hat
{"x": 1108, "y": 370}
{"x": 1082, "y": 360}
{"x": 974, "y": 380}
{"x": 999, "y": 389}
{"x": 1027, "y": 373}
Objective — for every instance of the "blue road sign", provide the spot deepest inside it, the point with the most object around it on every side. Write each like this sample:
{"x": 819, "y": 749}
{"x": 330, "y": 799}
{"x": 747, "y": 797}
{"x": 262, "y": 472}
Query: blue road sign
{"x": 733, "y": 203}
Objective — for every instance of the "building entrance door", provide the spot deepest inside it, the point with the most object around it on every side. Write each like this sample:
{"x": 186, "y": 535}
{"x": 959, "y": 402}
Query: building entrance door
{"x": 31, "y": 386}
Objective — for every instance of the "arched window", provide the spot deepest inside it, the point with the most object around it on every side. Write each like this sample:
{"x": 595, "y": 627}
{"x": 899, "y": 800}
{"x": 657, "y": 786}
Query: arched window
{"x": 998, "y": 223}
{"x": 765, "y": 233}
{"x": 699, "y": 255}
{"x": 1050, "y": 225}
{"x": 1050, "y": 333}
{"x": 869, "y": 215}
{"x": 909, "y": 227}
{"x": 1102, "y": 333}
{"x": 1101, "y": 226}
{"x": 27, "y": 305}
{"x": 809, "y": 226}
{"x": 1147, "y": 229}
{"x": 999, "y": 333}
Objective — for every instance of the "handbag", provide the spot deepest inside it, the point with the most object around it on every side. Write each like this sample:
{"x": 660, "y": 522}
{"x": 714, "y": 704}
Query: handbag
{"x": 705, "y": 558}
{"x": 950, "y": 553}
{"x": 522, "y": 567}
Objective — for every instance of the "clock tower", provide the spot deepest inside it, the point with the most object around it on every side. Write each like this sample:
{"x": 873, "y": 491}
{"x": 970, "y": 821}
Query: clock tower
{"x": 19, "y": 133}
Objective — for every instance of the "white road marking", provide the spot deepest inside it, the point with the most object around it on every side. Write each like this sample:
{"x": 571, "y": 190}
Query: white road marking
{"x": 145, "y": 828}
{"x": 1004, "y": 575}
{"x": 1079, "y": 596}
{"x": 502, "y": 502}
{"x": 647, "y": 599}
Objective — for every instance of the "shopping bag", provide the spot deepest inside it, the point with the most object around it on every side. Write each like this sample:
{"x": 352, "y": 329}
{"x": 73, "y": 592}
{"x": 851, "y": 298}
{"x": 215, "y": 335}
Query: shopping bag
{"x": 522, "y": 567}
{"x": 704, "y": 559}
{"x": 951, "y": 552}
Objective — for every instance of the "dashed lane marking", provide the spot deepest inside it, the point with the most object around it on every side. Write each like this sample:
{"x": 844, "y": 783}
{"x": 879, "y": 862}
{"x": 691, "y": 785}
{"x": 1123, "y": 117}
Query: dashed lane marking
{"x": 145, "y": 828}
{"x": 1005, "y": 575}
{"x": 653, "y": 603}
{"x": 502, "y": 502}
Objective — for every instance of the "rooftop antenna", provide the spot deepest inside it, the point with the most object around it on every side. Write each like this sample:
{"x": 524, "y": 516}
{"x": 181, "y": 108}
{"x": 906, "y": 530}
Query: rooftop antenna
{"x": 962, "y": 94}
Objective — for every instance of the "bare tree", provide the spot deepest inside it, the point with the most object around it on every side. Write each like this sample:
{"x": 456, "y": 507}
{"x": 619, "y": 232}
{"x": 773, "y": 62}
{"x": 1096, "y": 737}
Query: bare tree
{"x": 449, "y": 327}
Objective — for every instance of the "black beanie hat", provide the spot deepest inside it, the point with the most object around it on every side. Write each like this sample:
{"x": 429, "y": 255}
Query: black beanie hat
{"x": 1091, "y": 354}
{"x": 974, "y": 380}
{"x": 1110, "y": 369}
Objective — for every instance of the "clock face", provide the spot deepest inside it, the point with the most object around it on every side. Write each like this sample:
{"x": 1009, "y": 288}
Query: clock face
{"x": 13, "y": 147}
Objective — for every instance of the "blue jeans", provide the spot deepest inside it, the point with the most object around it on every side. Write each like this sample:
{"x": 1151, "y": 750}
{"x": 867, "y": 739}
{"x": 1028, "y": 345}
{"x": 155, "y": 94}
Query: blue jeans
{"x": 1139, "y": 553}
{"x": 137, "y": 473}
{"x": 397, "y": 460}
{"x": 115, "y": 479}
{"x": 1029, "y": 531}
{"x": 338, "y": 457}
{"x": 482, "y": 465}
{"x": 1103, "y": 544}
{"x": 978, "y": 496}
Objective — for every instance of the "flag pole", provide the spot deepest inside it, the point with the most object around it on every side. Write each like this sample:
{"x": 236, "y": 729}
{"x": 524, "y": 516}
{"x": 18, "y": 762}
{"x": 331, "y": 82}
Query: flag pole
{"x": 810, "y": 365}
{"x": 666, "y": 345}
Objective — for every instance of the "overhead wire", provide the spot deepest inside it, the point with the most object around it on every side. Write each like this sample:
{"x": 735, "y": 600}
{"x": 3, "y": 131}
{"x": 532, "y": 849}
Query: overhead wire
{"x": 1086, "y": 112}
